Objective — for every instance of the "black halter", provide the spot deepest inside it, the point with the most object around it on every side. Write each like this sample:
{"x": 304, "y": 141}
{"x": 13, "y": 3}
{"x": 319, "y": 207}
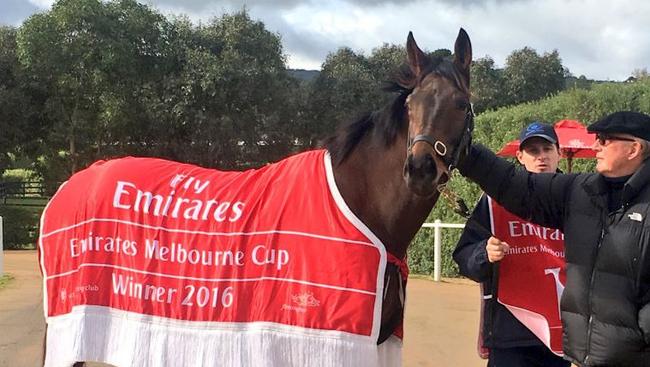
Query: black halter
{"x": 441, "y": 148}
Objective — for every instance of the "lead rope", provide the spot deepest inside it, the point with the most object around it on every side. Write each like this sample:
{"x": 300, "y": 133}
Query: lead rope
{"x": 457, "y": 204}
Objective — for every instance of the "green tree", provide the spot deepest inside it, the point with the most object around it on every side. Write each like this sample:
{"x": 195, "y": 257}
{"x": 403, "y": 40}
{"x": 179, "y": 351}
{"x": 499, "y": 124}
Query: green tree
{"x": 580, "y": 82}
{"x": 141, "y": 60}
{"x": 21, "y": 104}
{"x": 61, "y": 49}
{"x": 11, "y": 98}
{"x": 528, "y": 76}
{"x": 235, "y": 88}
{"x": 95, "y": 61}
{"x": 487, "y": 85}
{"x": 350, "y": 85}
{"x": 441, "y": 52}
{"x": 384, "y": 61}
{"x": 345, "y": 89}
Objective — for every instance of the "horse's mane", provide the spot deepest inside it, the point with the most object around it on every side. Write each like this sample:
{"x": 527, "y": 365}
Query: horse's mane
{"x": 390, "y": 120}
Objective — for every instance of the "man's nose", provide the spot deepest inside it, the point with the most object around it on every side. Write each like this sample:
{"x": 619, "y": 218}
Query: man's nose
{"x": 596, "y": 146}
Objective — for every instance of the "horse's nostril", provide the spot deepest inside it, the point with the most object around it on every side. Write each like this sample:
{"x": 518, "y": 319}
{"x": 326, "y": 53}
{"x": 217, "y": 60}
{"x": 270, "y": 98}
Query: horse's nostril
{"x": 420, "y": 174}
{"x": 422, "y": 166}
{"x": 425, "y": 165}
{"x": 428, "y": 164}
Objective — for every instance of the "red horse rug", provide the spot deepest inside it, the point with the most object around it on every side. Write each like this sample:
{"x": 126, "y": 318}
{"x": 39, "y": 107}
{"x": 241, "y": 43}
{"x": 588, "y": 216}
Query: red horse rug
{"x": 148, "y": 262}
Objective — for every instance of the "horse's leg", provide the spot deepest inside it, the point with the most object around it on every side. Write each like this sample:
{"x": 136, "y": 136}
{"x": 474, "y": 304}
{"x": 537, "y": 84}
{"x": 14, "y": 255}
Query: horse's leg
{"x": 79, "y": 364}
{"x": 392, "y": 309}
{"x": 44, "y": 345}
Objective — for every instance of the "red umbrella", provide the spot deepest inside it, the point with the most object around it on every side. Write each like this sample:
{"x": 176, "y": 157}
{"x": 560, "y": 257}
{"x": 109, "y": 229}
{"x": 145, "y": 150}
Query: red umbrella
{"x": 575, "y": 142}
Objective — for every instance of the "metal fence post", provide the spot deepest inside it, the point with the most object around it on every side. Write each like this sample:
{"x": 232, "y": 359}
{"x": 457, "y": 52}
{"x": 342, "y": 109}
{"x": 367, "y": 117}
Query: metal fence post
{"x": 1, "y": 249}
{"x": 437, "y": 251}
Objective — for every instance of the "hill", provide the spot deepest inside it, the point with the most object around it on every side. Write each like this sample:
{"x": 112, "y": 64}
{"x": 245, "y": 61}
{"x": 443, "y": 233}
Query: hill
{"x": 303, "y": 75}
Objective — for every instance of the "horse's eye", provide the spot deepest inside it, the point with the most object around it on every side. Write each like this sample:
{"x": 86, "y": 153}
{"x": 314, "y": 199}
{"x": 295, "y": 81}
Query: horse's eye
{"x": 462, "y": 105}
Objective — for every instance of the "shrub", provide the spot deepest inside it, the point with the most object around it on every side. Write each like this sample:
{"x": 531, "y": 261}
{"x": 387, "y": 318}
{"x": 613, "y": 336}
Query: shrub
{"x": 20, "y": 226}
{"x": 18, "y": 175}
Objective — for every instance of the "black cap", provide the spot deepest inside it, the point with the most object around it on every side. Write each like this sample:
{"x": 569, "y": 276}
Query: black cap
{"x": 623, "y": 122}
{"x": 537, "y": 129}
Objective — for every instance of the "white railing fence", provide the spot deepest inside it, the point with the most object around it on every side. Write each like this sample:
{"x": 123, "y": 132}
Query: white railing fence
{"x": 437, "y": 225}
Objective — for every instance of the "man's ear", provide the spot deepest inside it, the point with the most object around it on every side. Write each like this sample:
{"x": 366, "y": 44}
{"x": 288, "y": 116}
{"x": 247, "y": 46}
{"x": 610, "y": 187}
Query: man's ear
{"x": 636, "y": 150}
{"x": 520, "y": 156}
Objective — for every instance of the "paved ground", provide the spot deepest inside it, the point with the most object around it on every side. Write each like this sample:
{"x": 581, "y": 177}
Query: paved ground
{"x": 441, "y": 319}
{"x": 21, "y": 312}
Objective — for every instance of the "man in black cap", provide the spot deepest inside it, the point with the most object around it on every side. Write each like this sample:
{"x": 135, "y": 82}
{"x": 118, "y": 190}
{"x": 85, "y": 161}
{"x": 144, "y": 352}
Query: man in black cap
{"x": 606, "y": 303}
{"x": 505, "y": 339}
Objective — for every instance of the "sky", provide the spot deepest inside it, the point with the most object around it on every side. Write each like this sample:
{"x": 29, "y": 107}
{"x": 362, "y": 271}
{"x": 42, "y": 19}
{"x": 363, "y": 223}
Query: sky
{"x": 604, "y": 40}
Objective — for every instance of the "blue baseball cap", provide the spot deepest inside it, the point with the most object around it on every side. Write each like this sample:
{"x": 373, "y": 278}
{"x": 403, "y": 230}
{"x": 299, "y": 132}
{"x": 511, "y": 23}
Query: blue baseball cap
{"x": 537, "y": 129}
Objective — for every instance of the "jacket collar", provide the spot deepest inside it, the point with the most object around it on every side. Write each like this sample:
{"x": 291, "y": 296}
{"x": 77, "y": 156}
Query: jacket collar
{"x": 637, "y": 182}
{"x": 595, "y": 184}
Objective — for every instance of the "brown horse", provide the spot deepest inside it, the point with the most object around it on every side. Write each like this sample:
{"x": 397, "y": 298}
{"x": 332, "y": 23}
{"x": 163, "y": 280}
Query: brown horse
{"x": 389, "y": 164}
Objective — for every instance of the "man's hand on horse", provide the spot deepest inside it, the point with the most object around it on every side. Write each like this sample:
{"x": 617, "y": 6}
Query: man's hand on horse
{"x": 496, "y": 249}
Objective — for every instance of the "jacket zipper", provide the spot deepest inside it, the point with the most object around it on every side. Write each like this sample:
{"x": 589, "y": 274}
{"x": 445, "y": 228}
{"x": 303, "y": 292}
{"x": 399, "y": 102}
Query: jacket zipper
{"x": 591, "y": 287}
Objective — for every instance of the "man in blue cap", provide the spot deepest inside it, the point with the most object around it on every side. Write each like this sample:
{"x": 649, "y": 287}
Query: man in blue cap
{"x": 606, "y": 303}
{"x": 509, "y": 341}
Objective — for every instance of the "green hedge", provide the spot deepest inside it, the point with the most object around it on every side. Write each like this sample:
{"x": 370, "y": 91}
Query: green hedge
{"x": 20, "y": 226}
{"x": 18, "y": 175}
{"x": 495, "y": 128}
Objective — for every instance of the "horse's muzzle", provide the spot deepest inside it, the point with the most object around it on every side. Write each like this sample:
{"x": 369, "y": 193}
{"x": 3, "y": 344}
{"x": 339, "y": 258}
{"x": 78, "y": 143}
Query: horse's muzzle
{"x": 421, "y": 174}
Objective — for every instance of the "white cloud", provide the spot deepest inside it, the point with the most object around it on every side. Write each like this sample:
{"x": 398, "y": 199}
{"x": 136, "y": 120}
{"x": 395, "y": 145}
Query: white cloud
{"x": 296, "y": 61}
{"x": 43, "y": 4}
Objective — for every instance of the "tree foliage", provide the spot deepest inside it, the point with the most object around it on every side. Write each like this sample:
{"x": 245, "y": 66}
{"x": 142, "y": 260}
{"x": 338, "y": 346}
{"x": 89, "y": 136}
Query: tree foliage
{"x": 346, "y": 87}
{"x": 487, "y": 85}
{"x": 528, "y": 76}
{"x": 95, "y": 61}
{"x": 19, "y": 101}
{"x": 120, "y": 78}
{"x": 235, "y": 89}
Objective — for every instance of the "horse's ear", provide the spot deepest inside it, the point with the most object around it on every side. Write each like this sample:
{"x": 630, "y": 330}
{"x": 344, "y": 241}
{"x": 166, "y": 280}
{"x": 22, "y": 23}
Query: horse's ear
{"x": 463, "y": 53}
{"x": 416, "y": 58}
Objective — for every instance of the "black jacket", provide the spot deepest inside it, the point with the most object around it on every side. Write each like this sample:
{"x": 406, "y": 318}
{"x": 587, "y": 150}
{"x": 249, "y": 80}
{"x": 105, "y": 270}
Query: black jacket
{"x": 606, "y": 303}
{"x": 500, "y": 328}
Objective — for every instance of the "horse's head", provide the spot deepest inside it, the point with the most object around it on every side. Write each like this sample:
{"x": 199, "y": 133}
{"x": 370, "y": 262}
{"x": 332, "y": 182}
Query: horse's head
{"x": 440, "y": 118}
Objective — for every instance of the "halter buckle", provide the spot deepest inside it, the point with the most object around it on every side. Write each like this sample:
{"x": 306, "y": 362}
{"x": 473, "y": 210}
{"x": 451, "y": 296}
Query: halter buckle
{"x": 440, "y": 148}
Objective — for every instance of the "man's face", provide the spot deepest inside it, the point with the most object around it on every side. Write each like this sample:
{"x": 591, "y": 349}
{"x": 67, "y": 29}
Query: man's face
{"x": 539, "y": 155}
{"x": 613, "y": 152}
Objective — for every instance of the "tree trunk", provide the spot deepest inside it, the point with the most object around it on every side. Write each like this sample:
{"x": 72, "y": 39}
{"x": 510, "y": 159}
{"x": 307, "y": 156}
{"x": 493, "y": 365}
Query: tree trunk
{"x": 73, "y": 152}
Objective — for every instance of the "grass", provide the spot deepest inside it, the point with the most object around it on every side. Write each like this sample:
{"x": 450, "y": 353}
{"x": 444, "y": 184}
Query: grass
{"x": 5, "y": 279}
